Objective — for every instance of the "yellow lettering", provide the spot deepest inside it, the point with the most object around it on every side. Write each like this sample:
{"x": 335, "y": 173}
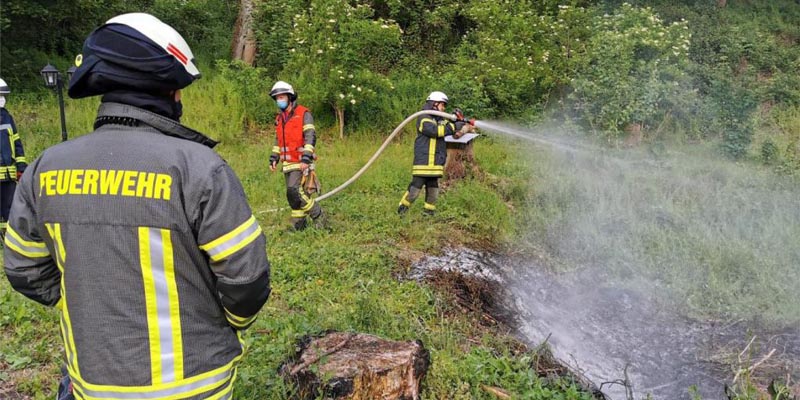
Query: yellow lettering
{"x": 77, "y": 179}
{"x": 62, "y": 184}
{"x": 163, "y": 183}
{"x": 90, "y": 181}
{"x": 148, "y": 185}
{"x": 145, "y": 184}
{"x": 128, "y": 183}
{"x": 109, "y": 181}
{"x": 46, "y": 183}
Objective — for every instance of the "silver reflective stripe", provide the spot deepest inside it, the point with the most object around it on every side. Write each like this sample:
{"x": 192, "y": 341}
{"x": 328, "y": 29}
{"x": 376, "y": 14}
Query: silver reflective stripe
{"x": 227, "y": 396}
{"x": 32, "y": 251}
{"x": 211, "y": 383}
{"x": 162, "y": 306}
{"x": 234, "y": 241}
{"x": 67, "y": 339}
{"x": 5, "y": 126}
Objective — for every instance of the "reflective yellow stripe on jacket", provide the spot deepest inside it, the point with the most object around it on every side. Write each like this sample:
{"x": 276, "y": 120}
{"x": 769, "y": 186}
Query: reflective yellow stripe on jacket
{"x": 196, "y": 385}
{"x": 233, "y": 241}
{"x": 24, "y": 247}
{"x": 161, "y": 303}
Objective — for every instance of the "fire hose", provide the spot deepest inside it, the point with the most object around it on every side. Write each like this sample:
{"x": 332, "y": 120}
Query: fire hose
{"x": 386, "y": 142}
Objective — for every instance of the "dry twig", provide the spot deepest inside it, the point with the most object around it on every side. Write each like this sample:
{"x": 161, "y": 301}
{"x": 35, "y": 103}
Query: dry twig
{"x": 754, "y": 366}
{"x": 499, "y": 393}
{"x": 317, "y": 357}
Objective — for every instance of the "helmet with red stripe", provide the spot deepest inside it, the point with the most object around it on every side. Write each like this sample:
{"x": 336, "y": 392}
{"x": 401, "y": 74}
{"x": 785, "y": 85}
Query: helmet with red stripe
{"x": 136, "y": 52}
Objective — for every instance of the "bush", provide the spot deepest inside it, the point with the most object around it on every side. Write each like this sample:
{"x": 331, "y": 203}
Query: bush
{"x": 632, "y": 72}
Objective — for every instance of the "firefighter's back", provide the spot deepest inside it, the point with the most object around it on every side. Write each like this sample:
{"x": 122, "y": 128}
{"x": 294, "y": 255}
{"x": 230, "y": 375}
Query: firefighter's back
{"x": 138, "y": 293}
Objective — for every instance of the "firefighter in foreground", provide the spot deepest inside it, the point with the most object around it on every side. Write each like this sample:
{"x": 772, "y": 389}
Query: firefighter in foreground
{"x": 430, "y": 153}
{"x": 12, "y": 158}
{"x": 295, "y": 138}
{"x": 139, "y": 233}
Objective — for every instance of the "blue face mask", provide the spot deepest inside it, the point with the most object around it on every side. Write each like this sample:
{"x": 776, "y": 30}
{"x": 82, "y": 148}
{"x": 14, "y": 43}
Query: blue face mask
{"x": 282, "y": 104}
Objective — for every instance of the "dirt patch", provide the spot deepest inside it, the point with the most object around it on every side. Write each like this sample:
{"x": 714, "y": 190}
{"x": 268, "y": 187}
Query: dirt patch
{"x": 479, "y": 297}
{"x": 473, "y": 290}
{"x": 8, "y": 393}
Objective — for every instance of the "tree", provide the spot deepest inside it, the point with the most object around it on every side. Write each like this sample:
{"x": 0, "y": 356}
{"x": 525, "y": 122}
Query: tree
{"x": 341, "y": 55}
{"x": 243, "y": 46}
{"x": 634, "y": 65}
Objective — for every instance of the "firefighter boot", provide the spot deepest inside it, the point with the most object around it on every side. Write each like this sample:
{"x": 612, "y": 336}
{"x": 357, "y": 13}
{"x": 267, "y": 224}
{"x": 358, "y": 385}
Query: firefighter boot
{"x": 431, "y": 195}
{"x": 408, "y": 197}
{"x": 319, "y": 217}
{"x": 298, "y": 224}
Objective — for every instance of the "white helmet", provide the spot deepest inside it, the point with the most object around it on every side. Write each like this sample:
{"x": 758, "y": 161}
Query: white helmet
{"x": 281, "y": 87}
{"x": 133, "y": 52}
{"x": 163, "y": 35}
{"x": 4, "y": 89}
{"x": 438, "y": 97}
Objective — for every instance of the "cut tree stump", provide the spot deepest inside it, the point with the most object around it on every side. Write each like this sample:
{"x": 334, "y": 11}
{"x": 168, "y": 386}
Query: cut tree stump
{"x": 357, "y": 366}
{"x": 460, "y": 161}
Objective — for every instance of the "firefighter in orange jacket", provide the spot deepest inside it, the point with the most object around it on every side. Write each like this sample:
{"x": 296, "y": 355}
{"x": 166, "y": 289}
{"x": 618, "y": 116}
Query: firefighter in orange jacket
{"x": 295, "y": 138}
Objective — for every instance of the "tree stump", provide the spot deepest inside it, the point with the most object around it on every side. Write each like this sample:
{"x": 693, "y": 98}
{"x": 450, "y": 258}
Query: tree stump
{"x": 460, "y": 159}
{"x": 358, "y": 367}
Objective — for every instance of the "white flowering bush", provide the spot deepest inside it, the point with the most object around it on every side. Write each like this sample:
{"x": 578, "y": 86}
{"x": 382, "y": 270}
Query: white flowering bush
{"x": 519, "y": 54}
{"x": 339, "y": 57}
{"x": 633, "y": 70}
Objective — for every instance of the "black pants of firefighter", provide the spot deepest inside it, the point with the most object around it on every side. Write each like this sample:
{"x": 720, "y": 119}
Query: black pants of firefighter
{"x": 302, "y": 205}
{"x": 431, "y": 192}
{"x": 6, "y": 196}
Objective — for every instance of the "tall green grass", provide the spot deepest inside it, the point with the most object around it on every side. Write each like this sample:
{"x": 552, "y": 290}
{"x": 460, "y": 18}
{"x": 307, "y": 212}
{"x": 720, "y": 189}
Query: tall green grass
{"x": 716, "y": 239}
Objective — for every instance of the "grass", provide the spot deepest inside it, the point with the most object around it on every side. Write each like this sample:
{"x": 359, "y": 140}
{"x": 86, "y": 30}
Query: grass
{"x": 344, "y": 278}
{"x": 715, "y": 238}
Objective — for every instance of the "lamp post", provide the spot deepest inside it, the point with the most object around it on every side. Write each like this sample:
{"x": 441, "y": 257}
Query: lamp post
{"x": 52, "y": 79}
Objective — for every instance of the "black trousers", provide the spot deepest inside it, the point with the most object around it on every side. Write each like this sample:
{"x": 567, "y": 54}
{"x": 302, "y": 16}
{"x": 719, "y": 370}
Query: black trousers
{"x": 7, "y": 189}
{"x": 431, "y": 184}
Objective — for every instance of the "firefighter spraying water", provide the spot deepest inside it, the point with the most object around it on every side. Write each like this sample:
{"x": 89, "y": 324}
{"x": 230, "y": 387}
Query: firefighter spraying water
{"x": 458, "y": 116}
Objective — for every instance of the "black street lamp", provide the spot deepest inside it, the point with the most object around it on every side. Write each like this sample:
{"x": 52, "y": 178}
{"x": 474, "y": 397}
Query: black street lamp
{"x": 52, "y": 79}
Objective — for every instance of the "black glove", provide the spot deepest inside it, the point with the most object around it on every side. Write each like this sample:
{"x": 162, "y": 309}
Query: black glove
{"x": 307, "y": 159}
{"x": 273, "y": 159}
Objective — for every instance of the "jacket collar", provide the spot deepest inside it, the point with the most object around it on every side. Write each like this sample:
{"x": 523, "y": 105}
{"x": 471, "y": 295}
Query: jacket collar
{"x": 163, "y": 124}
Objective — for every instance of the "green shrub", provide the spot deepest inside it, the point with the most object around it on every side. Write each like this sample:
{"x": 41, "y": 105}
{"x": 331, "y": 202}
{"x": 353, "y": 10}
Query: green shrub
{"x": 634, "y": 67}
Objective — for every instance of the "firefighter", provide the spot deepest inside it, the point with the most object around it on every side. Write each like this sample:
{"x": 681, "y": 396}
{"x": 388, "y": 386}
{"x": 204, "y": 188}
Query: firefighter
{"x": 295, "y": 138}
{"x": 12, "y": 158}
{"x": 139, "y": 233}
{"x": 430, "y": 154}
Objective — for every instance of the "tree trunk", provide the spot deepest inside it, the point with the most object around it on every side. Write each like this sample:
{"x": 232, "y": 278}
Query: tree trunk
{"x": 243, "y": 46}
{"x": 635, "y": 134}
{"x": 340, "y": 120}
{"x": 357, "y": 366}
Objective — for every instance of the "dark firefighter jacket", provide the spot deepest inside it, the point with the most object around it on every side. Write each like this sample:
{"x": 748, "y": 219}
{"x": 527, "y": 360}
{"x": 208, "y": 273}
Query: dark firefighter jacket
{"x": 12, "y": 156}
{"x": 142, "y": 237}
{"x": 295, "y": 137}
{"x": 430, "y": 152}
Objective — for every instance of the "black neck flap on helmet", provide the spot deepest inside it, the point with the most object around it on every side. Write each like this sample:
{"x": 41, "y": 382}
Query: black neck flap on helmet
{"x": 118, "y": 57}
